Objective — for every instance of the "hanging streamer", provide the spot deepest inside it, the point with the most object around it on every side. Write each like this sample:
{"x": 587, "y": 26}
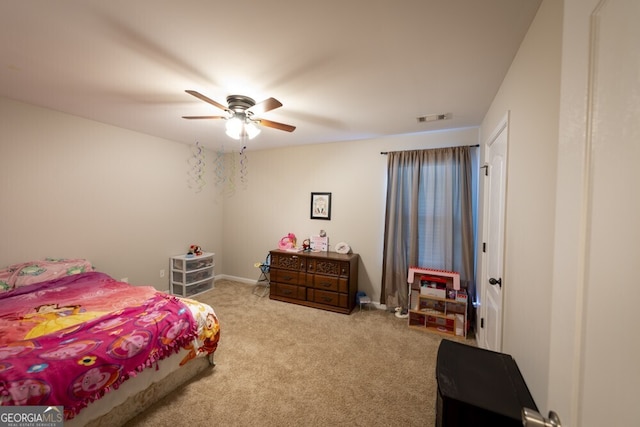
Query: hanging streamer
{"x": 243, "y": 167}
{"x": 196, "y": 163}
{"x": 219, "y": 167}
{"x": 229, "y": 168}
{"x": 230, "y": 187}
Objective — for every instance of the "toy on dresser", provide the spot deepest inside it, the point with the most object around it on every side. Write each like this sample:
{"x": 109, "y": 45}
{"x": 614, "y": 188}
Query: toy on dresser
{"x": 288, "y": 242}
{"x": 194, "y": 250}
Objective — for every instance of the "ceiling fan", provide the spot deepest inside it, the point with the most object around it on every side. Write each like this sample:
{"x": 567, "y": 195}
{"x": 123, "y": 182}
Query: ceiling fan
{"x": 241, "y": 111}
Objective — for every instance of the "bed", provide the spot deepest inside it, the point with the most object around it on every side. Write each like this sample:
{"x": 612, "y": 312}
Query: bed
{"x": 74, "y": 337}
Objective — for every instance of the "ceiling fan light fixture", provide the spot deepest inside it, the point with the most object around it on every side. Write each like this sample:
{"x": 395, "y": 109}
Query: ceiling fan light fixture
{"x": 251, "y": 129}
{"x": 234, "y": 127}
{"x": 238, "y": 128}
{"x": 240, "y": 112}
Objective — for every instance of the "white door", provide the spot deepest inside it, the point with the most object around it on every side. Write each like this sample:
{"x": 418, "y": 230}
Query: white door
{"x": 492, "y": 281}
{"x": 594, "y": 369}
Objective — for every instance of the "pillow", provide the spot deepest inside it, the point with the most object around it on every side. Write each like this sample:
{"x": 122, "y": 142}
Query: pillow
{"x": 17, "y": 275}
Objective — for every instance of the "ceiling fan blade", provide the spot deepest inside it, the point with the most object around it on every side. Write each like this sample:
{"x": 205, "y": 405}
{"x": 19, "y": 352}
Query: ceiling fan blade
{"x": 276, "y": 125}
{"x": 206, "y": 99}
{"x": 203, "y": 117}
{"x": 264, "y": 106}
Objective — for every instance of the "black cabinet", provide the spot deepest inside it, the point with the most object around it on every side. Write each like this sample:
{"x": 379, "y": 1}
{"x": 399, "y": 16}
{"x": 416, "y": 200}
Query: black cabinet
{"x": 478, "y": 387}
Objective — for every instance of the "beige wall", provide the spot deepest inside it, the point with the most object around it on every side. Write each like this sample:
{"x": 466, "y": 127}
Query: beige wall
{"x": 531, "y": 94}
{"x": 278, "y": 196}
{"x": 71, "y": 187}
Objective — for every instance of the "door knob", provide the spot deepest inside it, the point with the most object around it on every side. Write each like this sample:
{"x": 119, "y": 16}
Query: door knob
{"x": 496, "y": 281}
{"x": 532, "y": 418}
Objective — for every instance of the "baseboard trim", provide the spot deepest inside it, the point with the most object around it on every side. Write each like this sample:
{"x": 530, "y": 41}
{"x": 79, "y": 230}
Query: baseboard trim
{"x": 235, "y": 279}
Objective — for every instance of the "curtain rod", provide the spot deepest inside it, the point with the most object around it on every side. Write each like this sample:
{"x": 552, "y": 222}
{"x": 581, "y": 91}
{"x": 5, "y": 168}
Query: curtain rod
{"x": 472, "y": 146}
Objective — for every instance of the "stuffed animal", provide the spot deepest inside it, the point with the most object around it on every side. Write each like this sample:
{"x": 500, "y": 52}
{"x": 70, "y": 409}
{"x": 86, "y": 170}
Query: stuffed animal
{"x": 195, "y": 250}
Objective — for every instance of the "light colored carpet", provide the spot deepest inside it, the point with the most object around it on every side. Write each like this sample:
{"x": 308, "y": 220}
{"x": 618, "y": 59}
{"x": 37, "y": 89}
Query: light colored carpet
{"x": 280, "y": 364}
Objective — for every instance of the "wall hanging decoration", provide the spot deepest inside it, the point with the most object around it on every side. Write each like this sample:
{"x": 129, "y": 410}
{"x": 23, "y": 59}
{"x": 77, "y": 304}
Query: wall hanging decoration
{"x": 226, "y": 169}
{"x": 243, "y": 167}
{"x": 229, "y": 168}
{"x": 232, "y": 170}
{"x": 196, "y": 163}
{"x": 321, "y": 206}
{"x": 219, "y": 167}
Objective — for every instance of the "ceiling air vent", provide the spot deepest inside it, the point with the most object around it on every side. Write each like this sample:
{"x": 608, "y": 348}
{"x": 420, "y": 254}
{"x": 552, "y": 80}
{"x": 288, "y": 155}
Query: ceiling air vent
{"x": 434, "y": 117}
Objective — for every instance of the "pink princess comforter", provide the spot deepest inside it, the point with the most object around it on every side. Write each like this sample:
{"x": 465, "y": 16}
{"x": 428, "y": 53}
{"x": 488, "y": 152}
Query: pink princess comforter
{"x": 68, "y": 341}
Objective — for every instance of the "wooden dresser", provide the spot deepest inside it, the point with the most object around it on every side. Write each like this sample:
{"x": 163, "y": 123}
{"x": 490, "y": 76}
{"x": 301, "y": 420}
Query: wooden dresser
{"x": 326, "y": 280}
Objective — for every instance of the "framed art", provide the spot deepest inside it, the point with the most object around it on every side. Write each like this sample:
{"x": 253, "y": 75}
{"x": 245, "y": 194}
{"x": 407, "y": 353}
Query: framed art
{"x": 321, "y": 206}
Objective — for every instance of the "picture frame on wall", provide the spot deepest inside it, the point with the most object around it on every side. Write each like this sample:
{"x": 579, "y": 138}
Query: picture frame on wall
{"x": 321, "y": 206}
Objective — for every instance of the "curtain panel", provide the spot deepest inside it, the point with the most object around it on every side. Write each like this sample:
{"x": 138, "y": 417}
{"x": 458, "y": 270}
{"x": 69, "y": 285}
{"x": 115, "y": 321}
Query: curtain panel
{"x": 429, "y": 218}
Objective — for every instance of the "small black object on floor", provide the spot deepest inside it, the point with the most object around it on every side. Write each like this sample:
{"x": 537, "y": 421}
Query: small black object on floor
{"x": 478, "y": 387}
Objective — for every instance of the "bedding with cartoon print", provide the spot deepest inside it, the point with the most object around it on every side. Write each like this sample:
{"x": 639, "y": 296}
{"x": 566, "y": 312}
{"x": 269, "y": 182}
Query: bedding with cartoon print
{"x": 26, "y": 273}
{"x": 68, "y": 341}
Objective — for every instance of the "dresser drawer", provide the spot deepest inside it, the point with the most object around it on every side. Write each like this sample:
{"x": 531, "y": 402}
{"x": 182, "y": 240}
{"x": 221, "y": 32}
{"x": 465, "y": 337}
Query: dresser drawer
{"x": 287, "y": 276}
{"x": 330, "y": 283}
{"x": 328, "y": 267}
{"x": 288, "y": 262}
{"x": 289, "y": 291}
{"x": 330, "y": 298}
{"x": 326, "y": 283}
{"x": 188, "y": 277}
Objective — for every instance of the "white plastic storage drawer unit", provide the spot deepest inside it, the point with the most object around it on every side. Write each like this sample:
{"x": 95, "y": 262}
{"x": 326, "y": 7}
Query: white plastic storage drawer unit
{"x": 191, "y": 275}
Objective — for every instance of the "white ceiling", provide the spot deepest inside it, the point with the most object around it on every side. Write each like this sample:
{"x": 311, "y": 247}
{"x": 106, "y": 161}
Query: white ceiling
{"x": 344, "y": 69}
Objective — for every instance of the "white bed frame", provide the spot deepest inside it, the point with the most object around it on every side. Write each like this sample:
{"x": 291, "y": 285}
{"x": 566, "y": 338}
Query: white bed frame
{"x": 139, "y": 393}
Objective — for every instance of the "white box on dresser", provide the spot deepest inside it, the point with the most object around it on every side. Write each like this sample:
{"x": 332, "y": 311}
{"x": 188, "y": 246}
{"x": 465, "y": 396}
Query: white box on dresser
{"x": 191, "y": 275}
